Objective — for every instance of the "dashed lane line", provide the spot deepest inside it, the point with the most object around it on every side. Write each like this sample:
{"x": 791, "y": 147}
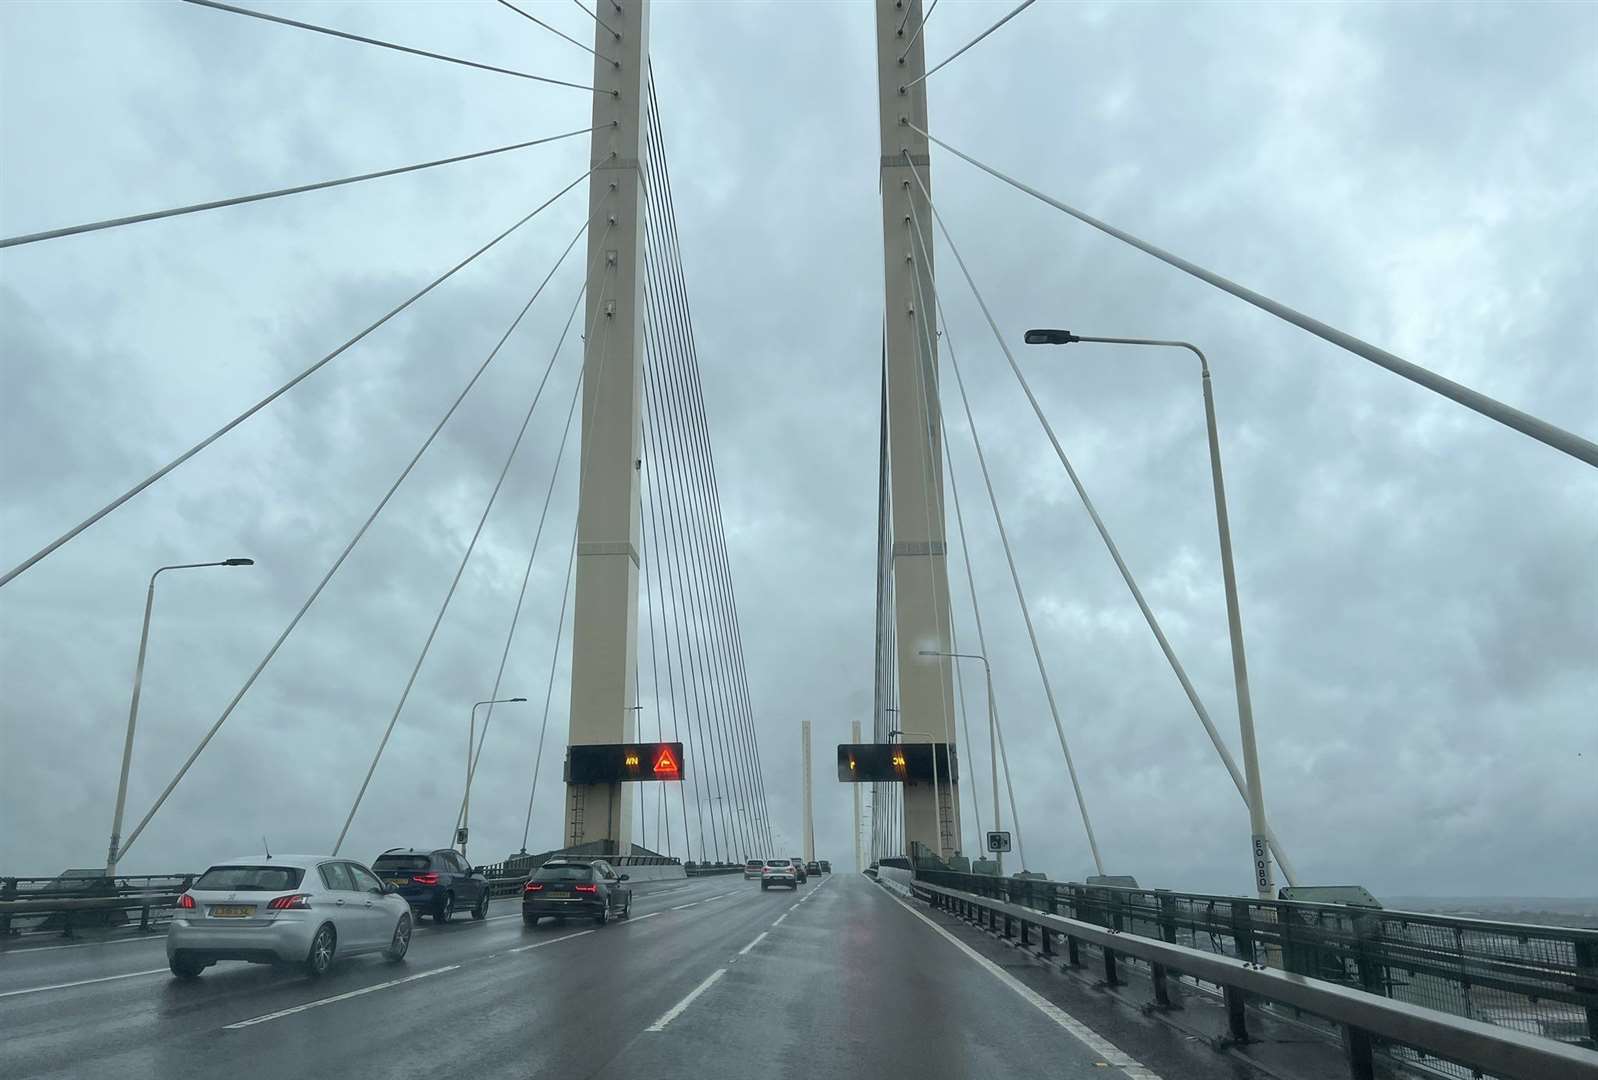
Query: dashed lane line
{"x": 82, "y": 982}
{"x": 781, "y": 917}
{"x": 1101, "y": 1046}
{"x": 677, "y": 1010}
{"x": 338, "y": 997}
{"x": 551, "y": 941}
{"x": 761, "y": 937}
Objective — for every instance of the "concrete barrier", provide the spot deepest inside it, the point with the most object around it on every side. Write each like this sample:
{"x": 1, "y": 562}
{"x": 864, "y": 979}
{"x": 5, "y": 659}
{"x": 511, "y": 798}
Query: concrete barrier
{"x": 653, "y": 873}
{"x": 896, "y": 879}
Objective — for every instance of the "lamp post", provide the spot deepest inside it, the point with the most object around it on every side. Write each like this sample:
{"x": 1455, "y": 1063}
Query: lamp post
{"x": 114, "y": 850}
{"x": 937, "y": 799}
{"x": 471, "y": 739}
{"x": 993, "y": 734}
{"x": 1259, "y": 846}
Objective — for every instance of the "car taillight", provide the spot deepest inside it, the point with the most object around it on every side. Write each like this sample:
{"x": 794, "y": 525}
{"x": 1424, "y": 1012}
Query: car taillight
{"x": 186, "y": 902}
{"x": 425, "y": 879}
{"x": 587, "y": 888}
{"x": 295, "y": 902}
{"x": 533, "y": 886}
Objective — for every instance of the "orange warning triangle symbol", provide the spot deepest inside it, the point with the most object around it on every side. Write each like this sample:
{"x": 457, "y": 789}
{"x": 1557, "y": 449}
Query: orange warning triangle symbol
{"x": 665, "y": 763}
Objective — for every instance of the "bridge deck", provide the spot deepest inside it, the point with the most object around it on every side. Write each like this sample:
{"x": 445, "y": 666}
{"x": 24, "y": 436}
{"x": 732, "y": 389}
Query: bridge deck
{"x": 845, "y": 981}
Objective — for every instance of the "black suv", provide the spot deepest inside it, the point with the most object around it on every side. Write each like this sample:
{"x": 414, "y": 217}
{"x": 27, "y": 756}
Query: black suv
{"x": 436, "y": 883}
{"x": 564, "y": 887}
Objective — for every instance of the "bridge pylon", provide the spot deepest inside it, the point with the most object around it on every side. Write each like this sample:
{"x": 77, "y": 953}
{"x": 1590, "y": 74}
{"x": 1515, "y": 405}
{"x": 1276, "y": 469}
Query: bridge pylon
{"x": 605, "y": 614}
{"x": 915, "y": 467}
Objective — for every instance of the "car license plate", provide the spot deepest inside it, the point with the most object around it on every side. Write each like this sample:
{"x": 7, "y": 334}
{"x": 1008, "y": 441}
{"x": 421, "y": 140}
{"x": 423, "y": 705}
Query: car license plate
{"x": 396, "y": 882}
{"x": 233, "y": 911}
{"x": 560, "y": 895}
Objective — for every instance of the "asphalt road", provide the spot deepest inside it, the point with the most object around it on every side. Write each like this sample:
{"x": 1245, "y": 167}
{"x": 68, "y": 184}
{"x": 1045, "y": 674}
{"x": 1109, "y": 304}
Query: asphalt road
{"x": 711, "y": 977}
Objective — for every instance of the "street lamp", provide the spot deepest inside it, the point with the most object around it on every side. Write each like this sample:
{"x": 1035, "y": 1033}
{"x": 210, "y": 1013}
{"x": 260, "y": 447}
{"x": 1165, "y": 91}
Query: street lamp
{"x": 993, "y": 736}
{"x": 133, "y": 708}
{"x": 937, "y": 800}
{"x": 471, "y": 739}
{"x": 1260, "y": 849}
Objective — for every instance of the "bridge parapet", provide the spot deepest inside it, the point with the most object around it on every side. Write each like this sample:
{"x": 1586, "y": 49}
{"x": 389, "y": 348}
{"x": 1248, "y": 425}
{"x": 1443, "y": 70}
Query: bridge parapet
{"x": 1541, "y": 980}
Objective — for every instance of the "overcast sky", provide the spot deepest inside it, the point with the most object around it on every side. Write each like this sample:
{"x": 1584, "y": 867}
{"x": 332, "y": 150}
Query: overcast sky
{"x": 1419, "y": 586}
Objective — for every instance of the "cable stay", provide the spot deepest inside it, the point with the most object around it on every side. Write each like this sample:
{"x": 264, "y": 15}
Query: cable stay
{"x": 460, "y": 570}
{"x": 179, "y": 211}
{"x": 63, "y": 539}
{"x": 958, "y": 52}
{"x": 282, "y": 21}
{"x": 552, "y": 30}
{"x": 344, "y": 554}
{"x": 521, "y": 596}
{"x": 1098, "y": 523}
{"x": 1548, "y": 434}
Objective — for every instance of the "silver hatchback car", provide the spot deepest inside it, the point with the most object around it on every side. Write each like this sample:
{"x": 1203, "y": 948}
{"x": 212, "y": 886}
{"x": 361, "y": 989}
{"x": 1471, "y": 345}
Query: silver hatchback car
{"x": 286, "y": 909}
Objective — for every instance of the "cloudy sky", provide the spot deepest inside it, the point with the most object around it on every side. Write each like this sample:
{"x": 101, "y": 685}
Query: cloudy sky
{"x": 1419, "y": 586}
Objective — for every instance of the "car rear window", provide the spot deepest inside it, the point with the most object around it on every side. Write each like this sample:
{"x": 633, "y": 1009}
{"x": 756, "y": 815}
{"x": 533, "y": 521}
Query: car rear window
{"x": 752, "y": 862}
{"x": 563, "y": 873}
{"x": 777, "y": 862}
{"x": 401, "y": 862}
{"x": 251, "y": 878}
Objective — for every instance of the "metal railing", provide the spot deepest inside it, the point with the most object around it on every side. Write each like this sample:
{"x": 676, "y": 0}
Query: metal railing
{"x": 1540, "y": 980}
{"x": 1364, "y": 1018}
{"x": 38, "y": 905}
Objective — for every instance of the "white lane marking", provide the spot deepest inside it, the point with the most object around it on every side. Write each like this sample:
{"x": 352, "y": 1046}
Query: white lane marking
{"x": 641, "y": 918}
{"x": 24, "y": 951}
{"x": 1095, "y": 1042}
{"x": 793, "y": 906}
{"x": 337, "y": 997}
{"x": 496, "y": 918}
{"x": 551, "y": 941}
{"x": 685, "y": 907}
{"x": 745, "y": 950}
{"x": 677, "y": 1010}
{"x": 81, "y": 982}
{"x": 781, "y": 917}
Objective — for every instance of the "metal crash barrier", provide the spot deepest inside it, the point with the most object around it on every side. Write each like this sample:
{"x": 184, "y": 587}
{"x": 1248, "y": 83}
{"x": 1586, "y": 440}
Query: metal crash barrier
{"x": 1362, "y": 1016}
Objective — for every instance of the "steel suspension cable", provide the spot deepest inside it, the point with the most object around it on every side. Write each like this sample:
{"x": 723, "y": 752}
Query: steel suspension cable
{"x": 692, "y": 669}
{"x": 1104, "y": 535}
{"x": 1548, "y": 434}
{"x": 343, "y": 555}
{"x": 662, "y": 804}
{"x": 684, "y": 447}
{"x": 1020, "y": 594}
{"x": 729, "y": 596}
{"x": 274, "y": 395}
{"x": 660, "y": 584}
{"x": 233, "y": 10}
{"x": 692, "y": 485}
{"x": 549, "y": 687}
{"x": 552, "y": 30}
{"x": 217, "y": 204}
{"x": 699, "y": 646}
{"x": 922, "y": 25}
{"x": 958, "y": 52}
{"x": 597, "y": 19}
{"x": 460, "y": 571}
{"x": 521, "y": 595}
{"x": 976, "y": 612}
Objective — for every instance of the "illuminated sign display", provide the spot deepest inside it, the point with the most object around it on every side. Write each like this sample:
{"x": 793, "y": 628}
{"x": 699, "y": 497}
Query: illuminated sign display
{"x": 866, "y": 763}
{"x": 608, "y": 763}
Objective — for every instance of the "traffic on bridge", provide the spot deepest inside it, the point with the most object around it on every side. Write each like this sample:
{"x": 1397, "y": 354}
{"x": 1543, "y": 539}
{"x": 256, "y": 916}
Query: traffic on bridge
{"x": 452, "y": 621}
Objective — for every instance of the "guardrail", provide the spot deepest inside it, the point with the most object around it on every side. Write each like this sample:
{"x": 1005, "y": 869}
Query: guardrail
{"x": 1364, "y": 1017}
{"x": 43, "y": 905}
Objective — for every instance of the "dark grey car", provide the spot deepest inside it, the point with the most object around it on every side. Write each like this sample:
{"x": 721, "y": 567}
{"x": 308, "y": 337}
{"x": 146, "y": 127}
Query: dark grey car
{"x": 563, "y": 888}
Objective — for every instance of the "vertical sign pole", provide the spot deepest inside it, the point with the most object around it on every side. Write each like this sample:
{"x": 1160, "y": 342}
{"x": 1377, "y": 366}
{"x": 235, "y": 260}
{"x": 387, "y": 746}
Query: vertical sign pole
{"x": 605, "y": 616}
{"x": 859, "y": 864}
{"x": 810, "y": 830}
{"x": 920, "y": 581}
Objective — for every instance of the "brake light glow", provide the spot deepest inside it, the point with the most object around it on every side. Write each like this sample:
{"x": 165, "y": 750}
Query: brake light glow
{"x": 428, "y": 878}
{"x": 294, "y": 902}
{"x": 186, "y": 902}
{"x": 533, "y": 886}
{"x": 587, "y": 888}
